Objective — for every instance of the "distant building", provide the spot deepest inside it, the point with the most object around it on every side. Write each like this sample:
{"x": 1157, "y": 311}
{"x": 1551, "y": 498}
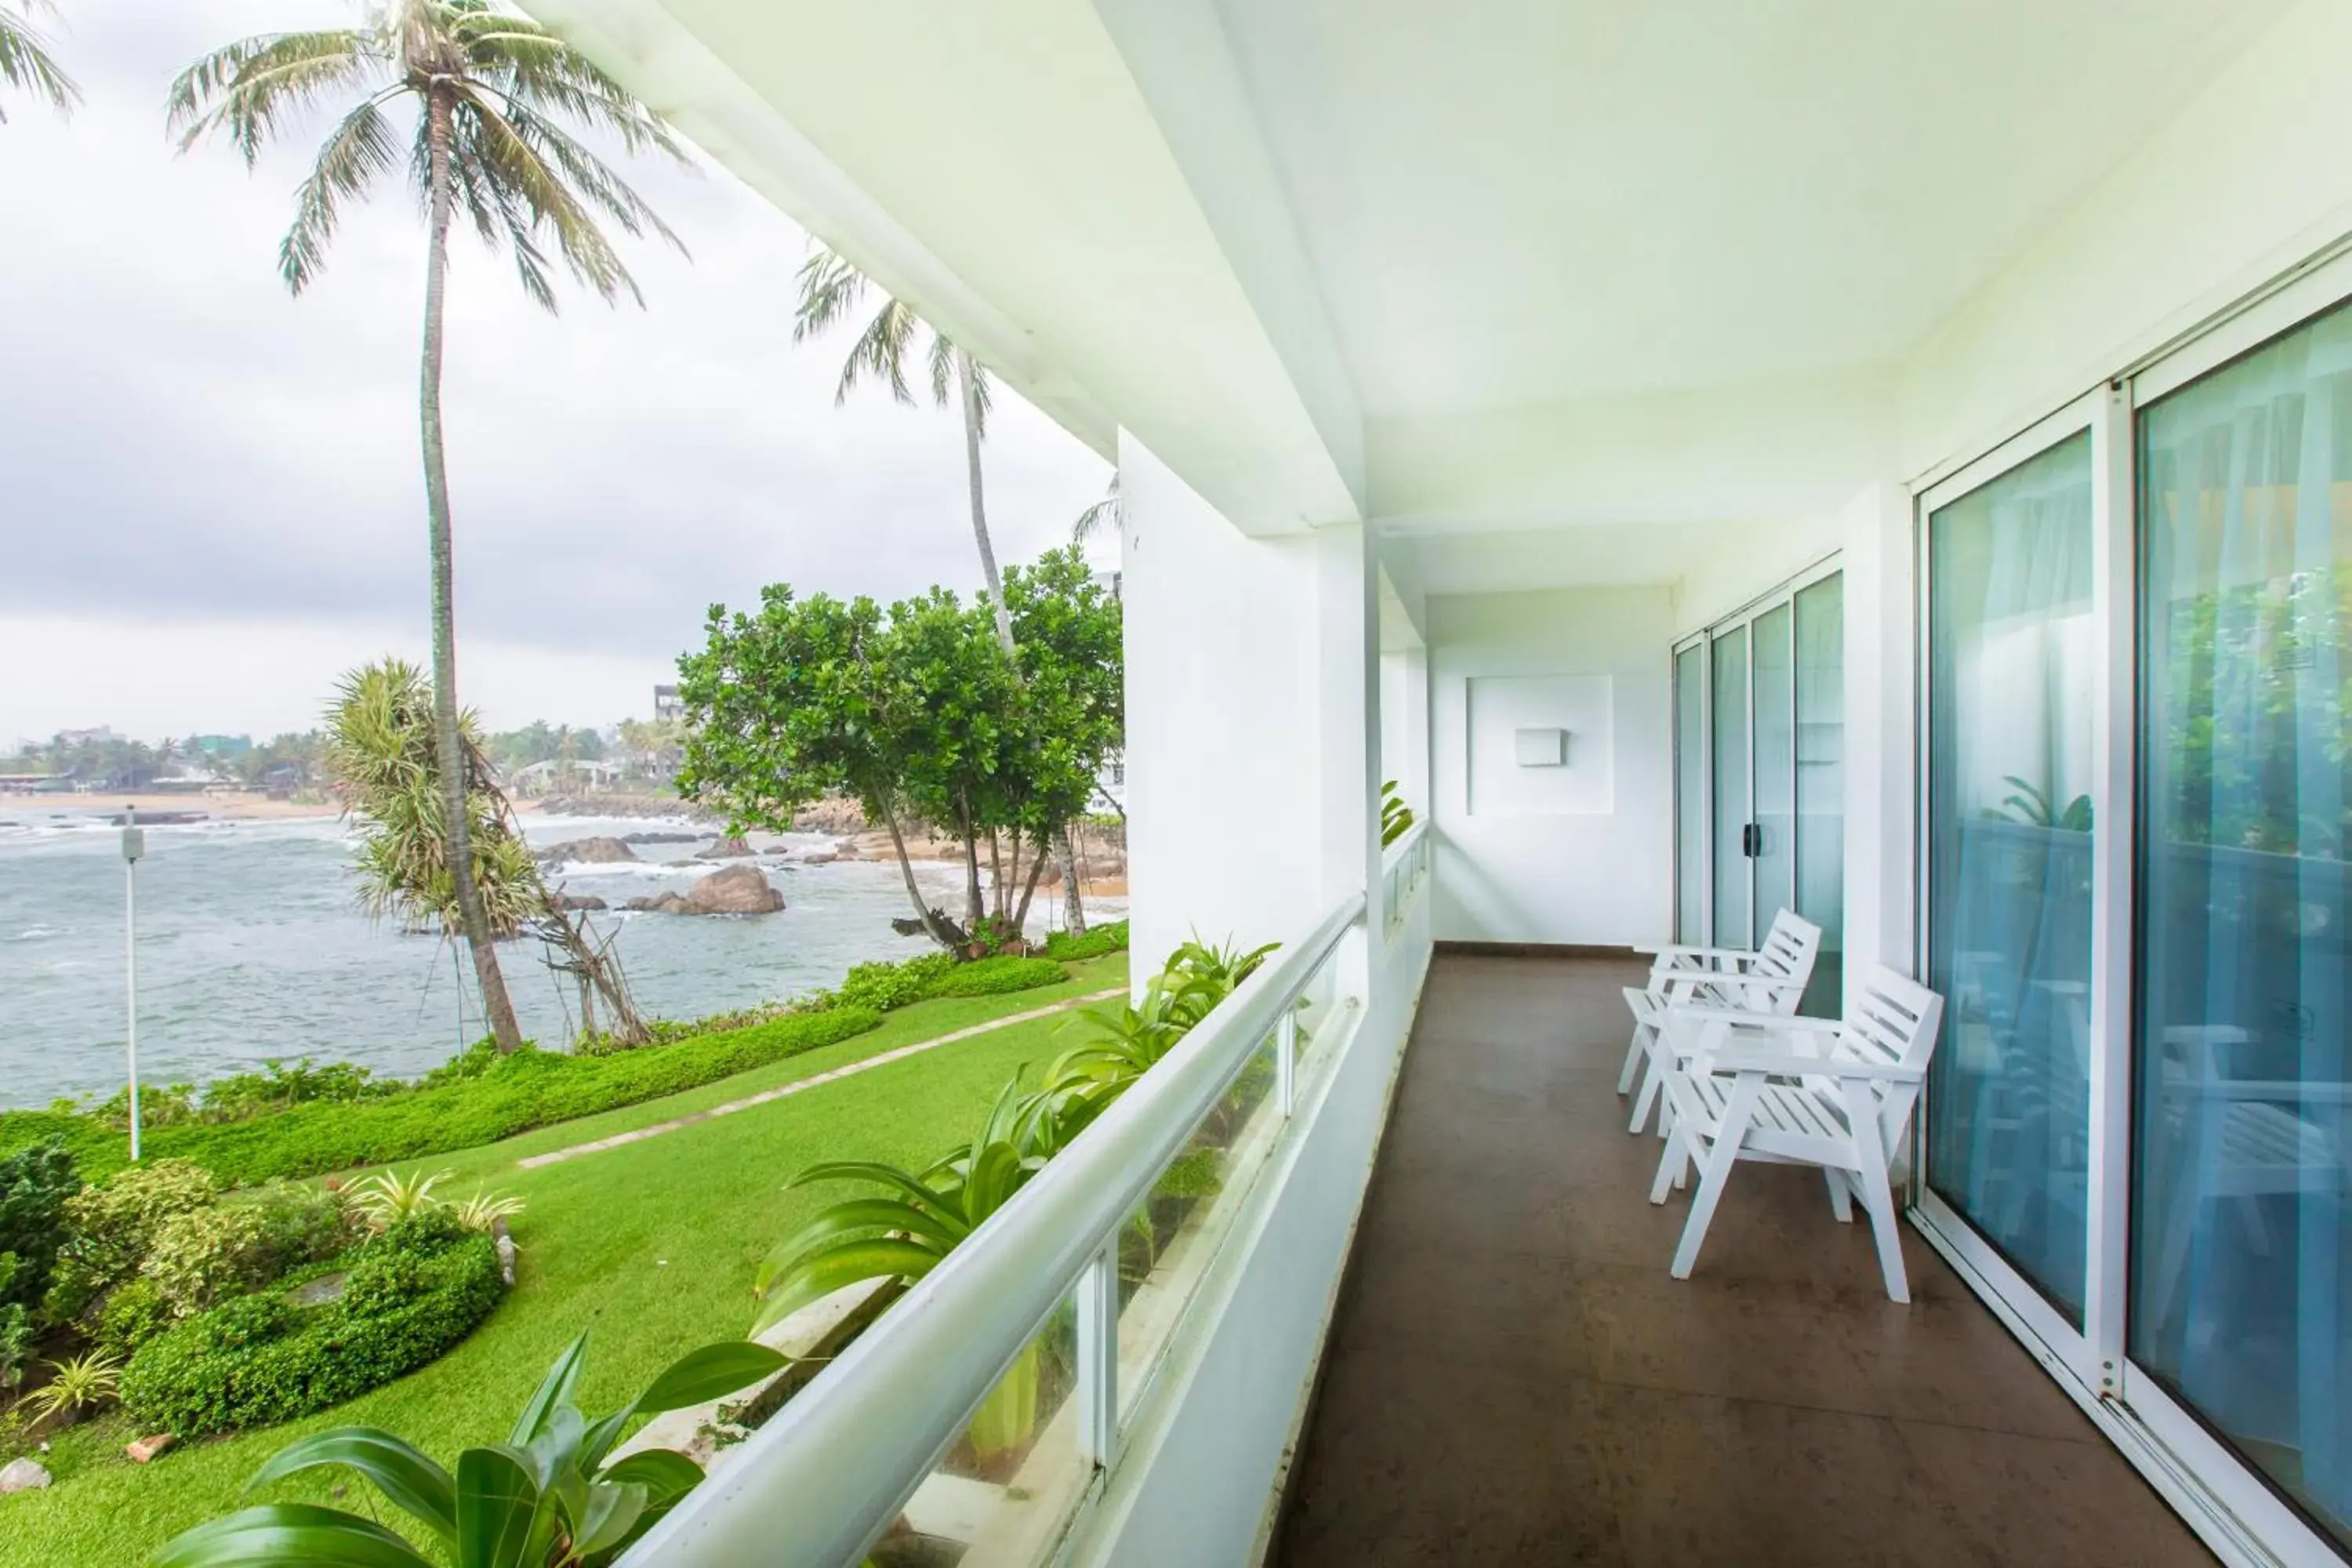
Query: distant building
{"x": 222, "y": 748}
{"x": 668, "y": 706}
{"x": 1110, "y": 583}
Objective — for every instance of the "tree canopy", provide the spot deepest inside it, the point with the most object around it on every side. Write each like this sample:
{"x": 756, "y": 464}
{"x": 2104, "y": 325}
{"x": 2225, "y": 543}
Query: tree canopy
{"x": 918, "y": 712}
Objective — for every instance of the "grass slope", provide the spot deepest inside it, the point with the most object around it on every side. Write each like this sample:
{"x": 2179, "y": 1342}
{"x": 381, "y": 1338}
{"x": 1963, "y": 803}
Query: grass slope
{"x": 651, "y": 1246}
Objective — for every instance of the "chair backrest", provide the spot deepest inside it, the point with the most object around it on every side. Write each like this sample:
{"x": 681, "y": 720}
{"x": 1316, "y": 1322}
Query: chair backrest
{"x": 1788, "y": 954}
{"x": 1893, "y": 1020}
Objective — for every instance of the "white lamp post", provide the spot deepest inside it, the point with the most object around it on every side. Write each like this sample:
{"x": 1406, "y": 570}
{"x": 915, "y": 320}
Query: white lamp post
{"x": 135, "y": 845}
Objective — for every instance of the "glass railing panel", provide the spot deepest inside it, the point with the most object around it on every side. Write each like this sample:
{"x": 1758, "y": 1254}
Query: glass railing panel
{"x": 1007, "y": 1491}
{"x": 1170, "y": 1241}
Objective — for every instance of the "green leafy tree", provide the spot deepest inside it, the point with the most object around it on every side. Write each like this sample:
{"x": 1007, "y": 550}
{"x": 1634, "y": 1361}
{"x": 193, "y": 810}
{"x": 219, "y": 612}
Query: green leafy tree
{"x": 490, "y": 92}
{"x": 26, "y": 62}
{"x": 820, "y": 696}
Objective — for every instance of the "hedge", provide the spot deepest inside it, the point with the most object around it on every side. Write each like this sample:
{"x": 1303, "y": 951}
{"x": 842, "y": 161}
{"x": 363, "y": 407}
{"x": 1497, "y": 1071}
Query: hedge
{"x": 259, "y": 1359}
{"x": 529, "y": 1088}
{"x": 996, "y": 976}
{"x": 1101, "y": 942}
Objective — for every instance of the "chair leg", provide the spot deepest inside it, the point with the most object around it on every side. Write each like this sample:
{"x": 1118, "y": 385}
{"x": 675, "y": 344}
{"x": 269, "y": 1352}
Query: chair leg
{"x": 1841, "y": 1200}
{"x": 1648, "y": 1097}
{"x": 1670, "y": 1169}
{"x": 1718, "y": 1170}
{"x": 1635, "y": 1055}
{"x": 1877, "y": 1193}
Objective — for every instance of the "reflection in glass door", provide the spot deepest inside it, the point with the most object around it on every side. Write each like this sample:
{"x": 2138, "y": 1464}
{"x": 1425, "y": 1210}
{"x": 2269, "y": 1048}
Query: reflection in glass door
{"x": 1773, "y": 841}
{"x": 1819, "y": 789}
{"x": 1690, "y": 794}
{"x": 2242, "y": 1264}
{"x": 1734, "y": 829}
{"x": 2012, "y": 679}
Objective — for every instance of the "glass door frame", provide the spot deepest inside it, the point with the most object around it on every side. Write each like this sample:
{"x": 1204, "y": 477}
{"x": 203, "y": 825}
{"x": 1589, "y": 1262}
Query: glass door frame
{"x": 1781, "y": 596}
{"x": 2091, "y": 1356}
{"x": 2183, "y": 1438}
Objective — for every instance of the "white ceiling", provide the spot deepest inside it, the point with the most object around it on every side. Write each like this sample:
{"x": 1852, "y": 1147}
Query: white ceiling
{"x": 1514, "y": 202}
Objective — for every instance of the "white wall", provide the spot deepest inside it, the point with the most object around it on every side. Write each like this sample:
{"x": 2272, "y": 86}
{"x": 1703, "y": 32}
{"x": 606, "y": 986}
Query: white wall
{"x": 1602, "y": 877}
{"x": 1251, "y": 719}
{"x": 2248, "y": 180}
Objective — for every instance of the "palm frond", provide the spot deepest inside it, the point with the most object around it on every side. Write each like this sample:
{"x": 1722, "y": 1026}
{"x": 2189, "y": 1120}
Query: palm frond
{"x": 1104, "y": 513}
{"x": 880, "y": 352}
{"x": 26, "y": 62}
{"x": 247, "y": 88}
{"x": 830, "y": 287}
{"x": 360, "y": 150}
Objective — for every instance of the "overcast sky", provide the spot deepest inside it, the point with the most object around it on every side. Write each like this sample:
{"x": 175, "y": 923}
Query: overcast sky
{"x": 210, "y": 501}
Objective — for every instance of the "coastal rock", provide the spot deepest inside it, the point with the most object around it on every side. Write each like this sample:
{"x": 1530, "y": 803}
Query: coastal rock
{"x": 819, "y": 857}
{"x": 577, "y": 901}
{"x": 659, "y": 837}
{"x": 725, "y": 846}
{"x": 22, "y": 1475}
{"x": 588, "y": 851}
{"x": 736, "y": 891}
{"x": 143, "y": 1450}
{"x": 836, "y": 816}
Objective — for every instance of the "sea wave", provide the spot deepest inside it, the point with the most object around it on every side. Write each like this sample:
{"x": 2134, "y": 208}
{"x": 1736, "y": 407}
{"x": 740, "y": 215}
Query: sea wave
{"x": 41, "y": 932}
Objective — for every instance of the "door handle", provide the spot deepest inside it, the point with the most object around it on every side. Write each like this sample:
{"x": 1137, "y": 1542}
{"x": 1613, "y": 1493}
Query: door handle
{"x": 1751, "y": 840}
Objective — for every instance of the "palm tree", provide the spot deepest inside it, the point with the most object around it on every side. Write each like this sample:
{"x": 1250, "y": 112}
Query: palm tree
{"x": 487, "y": 89}
{"x": 26, "y": 62}
{"x": 831, "y": 288}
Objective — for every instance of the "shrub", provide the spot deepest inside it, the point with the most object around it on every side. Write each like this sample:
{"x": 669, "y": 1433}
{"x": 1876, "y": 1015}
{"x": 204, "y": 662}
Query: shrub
{"x": 206, "y": 1253}
{"x": 133, "y": 1314}
{"x": 997, "y": 975}
{"x": 302, "y": 1223}
{"x": 113, "y": 1226}
{"x": 885, "y": 986}
{"x": 278, "y": 1086}
{"x": 246, "y": 1365}
{"x": 15, "y": 1344}
{"x": 1101, "y": 942}
{"x": 35, "y": 1184}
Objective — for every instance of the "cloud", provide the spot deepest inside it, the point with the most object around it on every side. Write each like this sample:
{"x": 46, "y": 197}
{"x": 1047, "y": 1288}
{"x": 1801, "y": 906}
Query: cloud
{"x": 184, "y": 445}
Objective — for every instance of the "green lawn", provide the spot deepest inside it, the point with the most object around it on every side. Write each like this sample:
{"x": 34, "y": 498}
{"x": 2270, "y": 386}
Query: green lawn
{"x": 652, "y": 1245}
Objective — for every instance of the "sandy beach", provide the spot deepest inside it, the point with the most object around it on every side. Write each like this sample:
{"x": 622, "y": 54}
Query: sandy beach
{"x": 227, "y": 805}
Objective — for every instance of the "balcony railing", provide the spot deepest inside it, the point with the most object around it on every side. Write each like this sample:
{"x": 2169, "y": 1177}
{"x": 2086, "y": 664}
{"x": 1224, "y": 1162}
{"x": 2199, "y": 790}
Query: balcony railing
{"x": 989, "y": 1407}
{"x": 1404, "y": 868}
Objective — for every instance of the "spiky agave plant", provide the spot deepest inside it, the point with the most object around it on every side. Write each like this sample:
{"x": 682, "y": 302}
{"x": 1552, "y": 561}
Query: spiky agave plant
{"x": 386, "y": 1198}
{"x": 83, "y": 1384}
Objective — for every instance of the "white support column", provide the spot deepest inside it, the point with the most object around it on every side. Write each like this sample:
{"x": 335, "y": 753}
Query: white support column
{"x": 1881, "y": 732}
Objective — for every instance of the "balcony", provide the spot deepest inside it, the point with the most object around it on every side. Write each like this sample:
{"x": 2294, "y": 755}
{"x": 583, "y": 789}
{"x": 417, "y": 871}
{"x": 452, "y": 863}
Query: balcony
{"x": 1512, "y": 1377}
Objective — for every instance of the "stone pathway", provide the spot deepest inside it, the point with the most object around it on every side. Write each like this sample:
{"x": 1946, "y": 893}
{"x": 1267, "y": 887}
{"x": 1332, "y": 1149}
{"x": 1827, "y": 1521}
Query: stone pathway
{"x": 798, "y": 1086}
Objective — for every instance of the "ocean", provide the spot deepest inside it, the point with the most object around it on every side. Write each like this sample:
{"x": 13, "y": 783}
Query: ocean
{"x": 252, "y": 945}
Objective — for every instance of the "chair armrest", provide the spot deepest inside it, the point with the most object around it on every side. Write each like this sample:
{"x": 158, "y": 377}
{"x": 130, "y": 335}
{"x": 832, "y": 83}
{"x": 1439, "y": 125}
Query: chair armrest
{"x": 1785, "y": 1063}
{"x": 1789, "y": 1022}
{"x": 1693, "y": 977}
{"x": 1684, "y": 950}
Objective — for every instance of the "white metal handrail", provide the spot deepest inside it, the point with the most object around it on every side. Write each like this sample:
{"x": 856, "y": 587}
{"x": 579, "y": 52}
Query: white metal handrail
{"x": 1404, "y": 866}
{"x": 817, "y": 1485}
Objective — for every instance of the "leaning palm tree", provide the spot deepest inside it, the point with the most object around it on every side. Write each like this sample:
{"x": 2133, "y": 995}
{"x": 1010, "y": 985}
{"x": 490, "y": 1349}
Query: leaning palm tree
{"x": 26, "y": 62}
{"x": 830, "y": 290}
{"x": 488, "y": 90}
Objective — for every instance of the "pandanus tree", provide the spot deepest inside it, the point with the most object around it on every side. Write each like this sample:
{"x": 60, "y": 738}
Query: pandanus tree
{"x": 488, "y": 96}
{"x": 26, "y": 62}
{"x": 381, "y": 753}
{"x": 832, "y": 291}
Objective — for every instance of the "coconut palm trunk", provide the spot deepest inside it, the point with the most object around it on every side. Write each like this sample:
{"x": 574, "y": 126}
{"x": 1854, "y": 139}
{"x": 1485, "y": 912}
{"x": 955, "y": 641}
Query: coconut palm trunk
{"x": 447, "y": 746}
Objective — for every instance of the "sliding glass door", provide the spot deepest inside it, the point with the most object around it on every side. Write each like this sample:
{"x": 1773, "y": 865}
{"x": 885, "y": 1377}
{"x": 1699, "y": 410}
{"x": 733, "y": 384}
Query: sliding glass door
{"x": 1759, "y": 779}
{"x": 2012, "y": 644}
{"x": 2241, "y": 1265}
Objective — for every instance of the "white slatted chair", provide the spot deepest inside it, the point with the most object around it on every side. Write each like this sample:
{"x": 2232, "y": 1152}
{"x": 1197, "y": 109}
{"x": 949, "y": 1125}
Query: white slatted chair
{"x": 1772, "y": 979}
{"x": 1801, "y": 1091}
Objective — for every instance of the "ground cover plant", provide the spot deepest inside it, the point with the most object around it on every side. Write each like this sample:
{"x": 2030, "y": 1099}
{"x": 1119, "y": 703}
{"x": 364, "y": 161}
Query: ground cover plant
{"x": 655, "y": 1244}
